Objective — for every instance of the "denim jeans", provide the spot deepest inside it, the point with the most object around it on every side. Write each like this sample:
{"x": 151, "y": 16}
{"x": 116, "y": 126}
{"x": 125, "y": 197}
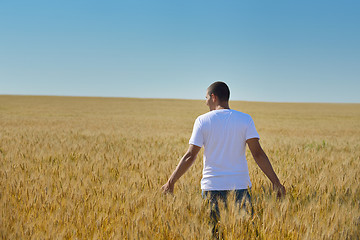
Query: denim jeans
{"x": 213, "y": 198}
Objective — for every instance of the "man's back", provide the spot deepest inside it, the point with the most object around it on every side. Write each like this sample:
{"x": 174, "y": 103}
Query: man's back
{"x": 223, "y": 133}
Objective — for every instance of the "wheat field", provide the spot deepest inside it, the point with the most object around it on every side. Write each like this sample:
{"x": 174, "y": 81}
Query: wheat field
{"x": 92, "y": 168}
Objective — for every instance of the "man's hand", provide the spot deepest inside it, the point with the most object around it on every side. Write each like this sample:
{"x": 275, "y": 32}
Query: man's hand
{"x": 280, "y": 190}
{"x": 167, "y": 188}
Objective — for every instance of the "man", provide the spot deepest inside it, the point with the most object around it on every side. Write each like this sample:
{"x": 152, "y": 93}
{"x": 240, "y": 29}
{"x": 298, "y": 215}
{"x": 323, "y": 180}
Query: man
{"x": 224, "y": 134}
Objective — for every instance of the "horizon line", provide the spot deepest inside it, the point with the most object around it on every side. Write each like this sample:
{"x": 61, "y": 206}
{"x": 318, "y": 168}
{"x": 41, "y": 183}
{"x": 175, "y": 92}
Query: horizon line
{"x": 165, "y": 98}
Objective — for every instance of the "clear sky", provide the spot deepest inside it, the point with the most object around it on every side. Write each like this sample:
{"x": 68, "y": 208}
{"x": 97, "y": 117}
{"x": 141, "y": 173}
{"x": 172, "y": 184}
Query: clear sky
{"x": 282, "y": 51}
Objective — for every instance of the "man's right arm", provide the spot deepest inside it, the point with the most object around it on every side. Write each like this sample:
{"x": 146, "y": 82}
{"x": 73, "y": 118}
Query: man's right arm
{"x": 184, "y": 164}
{"x": 263, "y": 162}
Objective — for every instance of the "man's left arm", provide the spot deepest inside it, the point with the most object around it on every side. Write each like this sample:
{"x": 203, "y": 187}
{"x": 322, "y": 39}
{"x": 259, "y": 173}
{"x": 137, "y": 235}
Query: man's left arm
{"x": 263, "y": 162}
{"x": 186, "y": 161}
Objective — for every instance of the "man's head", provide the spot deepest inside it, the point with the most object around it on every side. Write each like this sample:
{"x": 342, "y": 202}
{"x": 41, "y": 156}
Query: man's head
{"x": 217, "y": 94}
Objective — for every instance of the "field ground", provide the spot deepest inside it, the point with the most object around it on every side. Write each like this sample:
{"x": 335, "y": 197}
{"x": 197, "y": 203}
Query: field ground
{"x": 91, "y": 168}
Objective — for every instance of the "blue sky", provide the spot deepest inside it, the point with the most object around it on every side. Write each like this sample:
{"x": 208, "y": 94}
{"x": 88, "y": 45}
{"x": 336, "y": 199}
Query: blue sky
{"x": 282, "y": 51}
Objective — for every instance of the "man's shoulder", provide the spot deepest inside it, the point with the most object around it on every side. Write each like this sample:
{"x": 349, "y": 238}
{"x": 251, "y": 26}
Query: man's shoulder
{"x": 206, "y": 116}
{"x": 242, "y": 114}
{"x": 213, "y": 114}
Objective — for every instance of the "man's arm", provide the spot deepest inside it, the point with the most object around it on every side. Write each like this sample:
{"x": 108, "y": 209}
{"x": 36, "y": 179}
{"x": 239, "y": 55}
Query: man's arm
{"x": 263, "y": 162}
{"x": 186, "y": 161}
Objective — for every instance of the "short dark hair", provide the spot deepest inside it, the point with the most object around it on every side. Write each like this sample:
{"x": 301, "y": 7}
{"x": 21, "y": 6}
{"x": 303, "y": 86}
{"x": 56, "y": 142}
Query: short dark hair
{"x": 221, "y": 90}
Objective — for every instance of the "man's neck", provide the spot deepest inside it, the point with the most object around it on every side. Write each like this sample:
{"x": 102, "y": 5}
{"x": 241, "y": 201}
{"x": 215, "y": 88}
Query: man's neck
{"x": 225, "y": 106}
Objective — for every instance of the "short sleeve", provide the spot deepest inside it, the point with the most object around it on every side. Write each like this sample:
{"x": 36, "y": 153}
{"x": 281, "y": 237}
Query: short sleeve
{"x": 251, "y": 130}
{"x": 197, "y": 136}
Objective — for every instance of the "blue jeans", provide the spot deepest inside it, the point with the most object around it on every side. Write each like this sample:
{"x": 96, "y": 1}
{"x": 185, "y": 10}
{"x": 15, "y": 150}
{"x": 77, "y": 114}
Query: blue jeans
{"x": 213, "y": 198}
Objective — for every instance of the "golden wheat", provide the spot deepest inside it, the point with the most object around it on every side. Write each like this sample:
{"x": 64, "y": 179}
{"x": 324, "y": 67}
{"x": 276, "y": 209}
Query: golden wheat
{"x": 91, "y": 168}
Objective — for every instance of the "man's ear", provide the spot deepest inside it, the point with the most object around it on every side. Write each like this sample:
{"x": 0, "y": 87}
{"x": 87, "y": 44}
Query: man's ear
{"x": 213, "y": 97}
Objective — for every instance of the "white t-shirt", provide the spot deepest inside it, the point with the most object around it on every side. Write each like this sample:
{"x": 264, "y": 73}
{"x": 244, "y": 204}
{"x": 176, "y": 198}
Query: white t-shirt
{"x": 223, "y": 133}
